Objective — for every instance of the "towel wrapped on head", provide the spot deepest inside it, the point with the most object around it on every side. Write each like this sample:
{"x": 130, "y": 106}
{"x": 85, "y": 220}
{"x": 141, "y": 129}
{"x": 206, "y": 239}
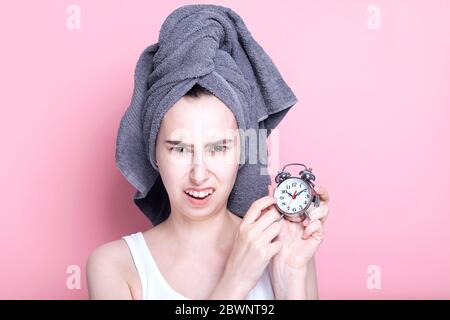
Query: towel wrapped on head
{"x": 208, "y": 45}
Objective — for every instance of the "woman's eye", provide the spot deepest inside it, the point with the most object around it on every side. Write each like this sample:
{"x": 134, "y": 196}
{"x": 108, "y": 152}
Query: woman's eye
{"x": 219, "y": 148}
{"x": 179, "y": 149}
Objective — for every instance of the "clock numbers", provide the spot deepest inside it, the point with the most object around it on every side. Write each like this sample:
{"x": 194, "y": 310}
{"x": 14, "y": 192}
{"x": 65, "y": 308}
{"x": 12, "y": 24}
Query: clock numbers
{"x": 293, "y": 196}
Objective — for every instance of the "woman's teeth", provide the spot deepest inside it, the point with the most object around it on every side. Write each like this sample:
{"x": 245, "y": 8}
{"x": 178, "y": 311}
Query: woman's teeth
{"x": 199, "y": 195}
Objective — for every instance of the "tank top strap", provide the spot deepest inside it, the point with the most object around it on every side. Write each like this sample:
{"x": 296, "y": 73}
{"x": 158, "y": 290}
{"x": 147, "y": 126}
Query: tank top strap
{"x": 138, "y": 253}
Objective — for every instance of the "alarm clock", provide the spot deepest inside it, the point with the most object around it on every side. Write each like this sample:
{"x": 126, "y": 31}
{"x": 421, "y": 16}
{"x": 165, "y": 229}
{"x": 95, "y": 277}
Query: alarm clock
{"x": 295, "y": 195}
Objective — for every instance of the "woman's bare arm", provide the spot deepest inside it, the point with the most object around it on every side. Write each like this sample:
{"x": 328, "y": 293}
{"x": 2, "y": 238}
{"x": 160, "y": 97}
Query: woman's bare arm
{"x": 312, "y": 293}
{"x": 104, "y": 277}
{"x": 227, "y": 290}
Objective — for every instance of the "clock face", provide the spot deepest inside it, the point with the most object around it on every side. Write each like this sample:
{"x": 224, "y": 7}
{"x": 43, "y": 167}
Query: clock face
{"x": 293, "y": 195}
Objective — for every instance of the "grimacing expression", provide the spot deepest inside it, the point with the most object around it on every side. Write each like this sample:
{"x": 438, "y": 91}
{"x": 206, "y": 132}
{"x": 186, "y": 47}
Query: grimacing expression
{"x": 198, "y": 147}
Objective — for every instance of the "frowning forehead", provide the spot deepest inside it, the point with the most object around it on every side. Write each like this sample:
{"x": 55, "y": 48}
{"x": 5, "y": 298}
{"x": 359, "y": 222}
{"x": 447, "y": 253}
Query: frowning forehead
{"x": 188, "y": 138}
{"x": 205, "y": 111}
{"x": 203, "y": 118}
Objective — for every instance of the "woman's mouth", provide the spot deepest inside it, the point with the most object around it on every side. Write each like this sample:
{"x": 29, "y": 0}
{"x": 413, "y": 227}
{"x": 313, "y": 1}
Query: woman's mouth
{"x": 199, "y": 197}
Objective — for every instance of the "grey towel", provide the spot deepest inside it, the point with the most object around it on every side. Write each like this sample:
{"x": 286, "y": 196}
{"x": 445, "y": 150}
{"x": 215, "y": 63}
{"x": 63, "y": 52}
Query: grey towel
{"x": 209, "y": 45}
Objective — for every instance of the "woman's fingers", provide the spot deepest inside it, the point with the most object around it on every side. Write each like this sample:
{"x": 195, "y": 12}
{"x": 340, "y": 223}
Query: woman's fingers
{"x": 322, "y": 211}
{"x": 274, "y": 248}
{"x": 323, "y": 193}
{"x": 271, "y": 232}
{"x": 315, "y": 228}
{"x": 262, "y": 212}
{"x": 256, "y": 209}
{"x": 319, "y": 213}
{"x": 266, "y": 219}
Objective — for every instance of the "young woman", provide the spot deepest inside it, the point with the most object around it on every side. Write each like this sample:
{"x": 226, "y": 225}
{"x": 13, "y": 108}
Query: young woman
{"x": 203, "y": 250}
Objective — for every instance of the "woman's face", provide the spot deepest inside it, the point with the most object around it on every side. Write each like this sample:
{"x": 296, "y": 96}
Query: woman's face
{"x": 198, "y": 149}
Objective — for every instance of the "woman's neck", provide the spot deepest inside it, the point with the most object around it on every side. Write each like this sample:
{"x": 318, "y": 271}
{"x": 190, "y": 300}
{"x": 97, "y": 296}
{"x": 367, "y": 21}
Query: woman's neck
{"x": 214, "y": 232}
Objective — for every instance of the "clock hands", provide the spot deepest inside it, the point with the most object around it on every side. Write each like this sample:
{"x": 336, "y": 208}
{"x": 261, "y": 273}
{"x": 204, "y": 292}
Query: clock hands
{"x": 293, "y": 196}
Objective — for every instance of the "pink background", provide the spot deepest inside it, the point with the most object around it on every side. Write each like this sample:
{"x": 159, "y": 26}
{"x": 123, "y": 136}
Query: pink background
{"x": 373, "y": 114}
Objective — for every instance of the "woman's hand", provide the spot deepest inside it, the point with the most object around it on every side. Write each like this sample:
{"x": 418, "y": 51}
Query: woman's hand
{"x": 300, "y": 243}
{"x": 254, "y": 245}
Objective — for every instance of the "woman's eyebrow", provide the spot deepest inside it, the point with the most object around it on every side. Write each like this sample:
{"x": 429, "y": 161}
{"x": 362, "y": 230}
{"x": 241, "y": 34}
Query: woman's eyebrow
{"x": 179, "y": 142}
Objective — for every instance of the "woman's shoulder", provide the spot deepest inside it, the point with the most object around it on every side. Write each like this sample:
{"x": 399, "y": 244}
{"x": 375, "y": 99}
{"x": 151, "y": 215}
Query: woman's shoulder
{"x": 110, "y": 271}
{"x": 112, "y": 253}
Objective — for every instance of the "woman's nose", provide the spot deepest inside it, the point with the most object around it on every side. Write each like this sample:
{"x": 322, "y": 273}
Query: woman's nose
{"x": 199, "y": 172}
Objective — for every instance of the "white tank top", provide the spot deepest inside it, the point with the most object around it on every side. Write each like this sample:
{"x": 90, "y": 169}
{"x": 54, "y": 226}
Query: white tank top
{"x": 155, "y": 287}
